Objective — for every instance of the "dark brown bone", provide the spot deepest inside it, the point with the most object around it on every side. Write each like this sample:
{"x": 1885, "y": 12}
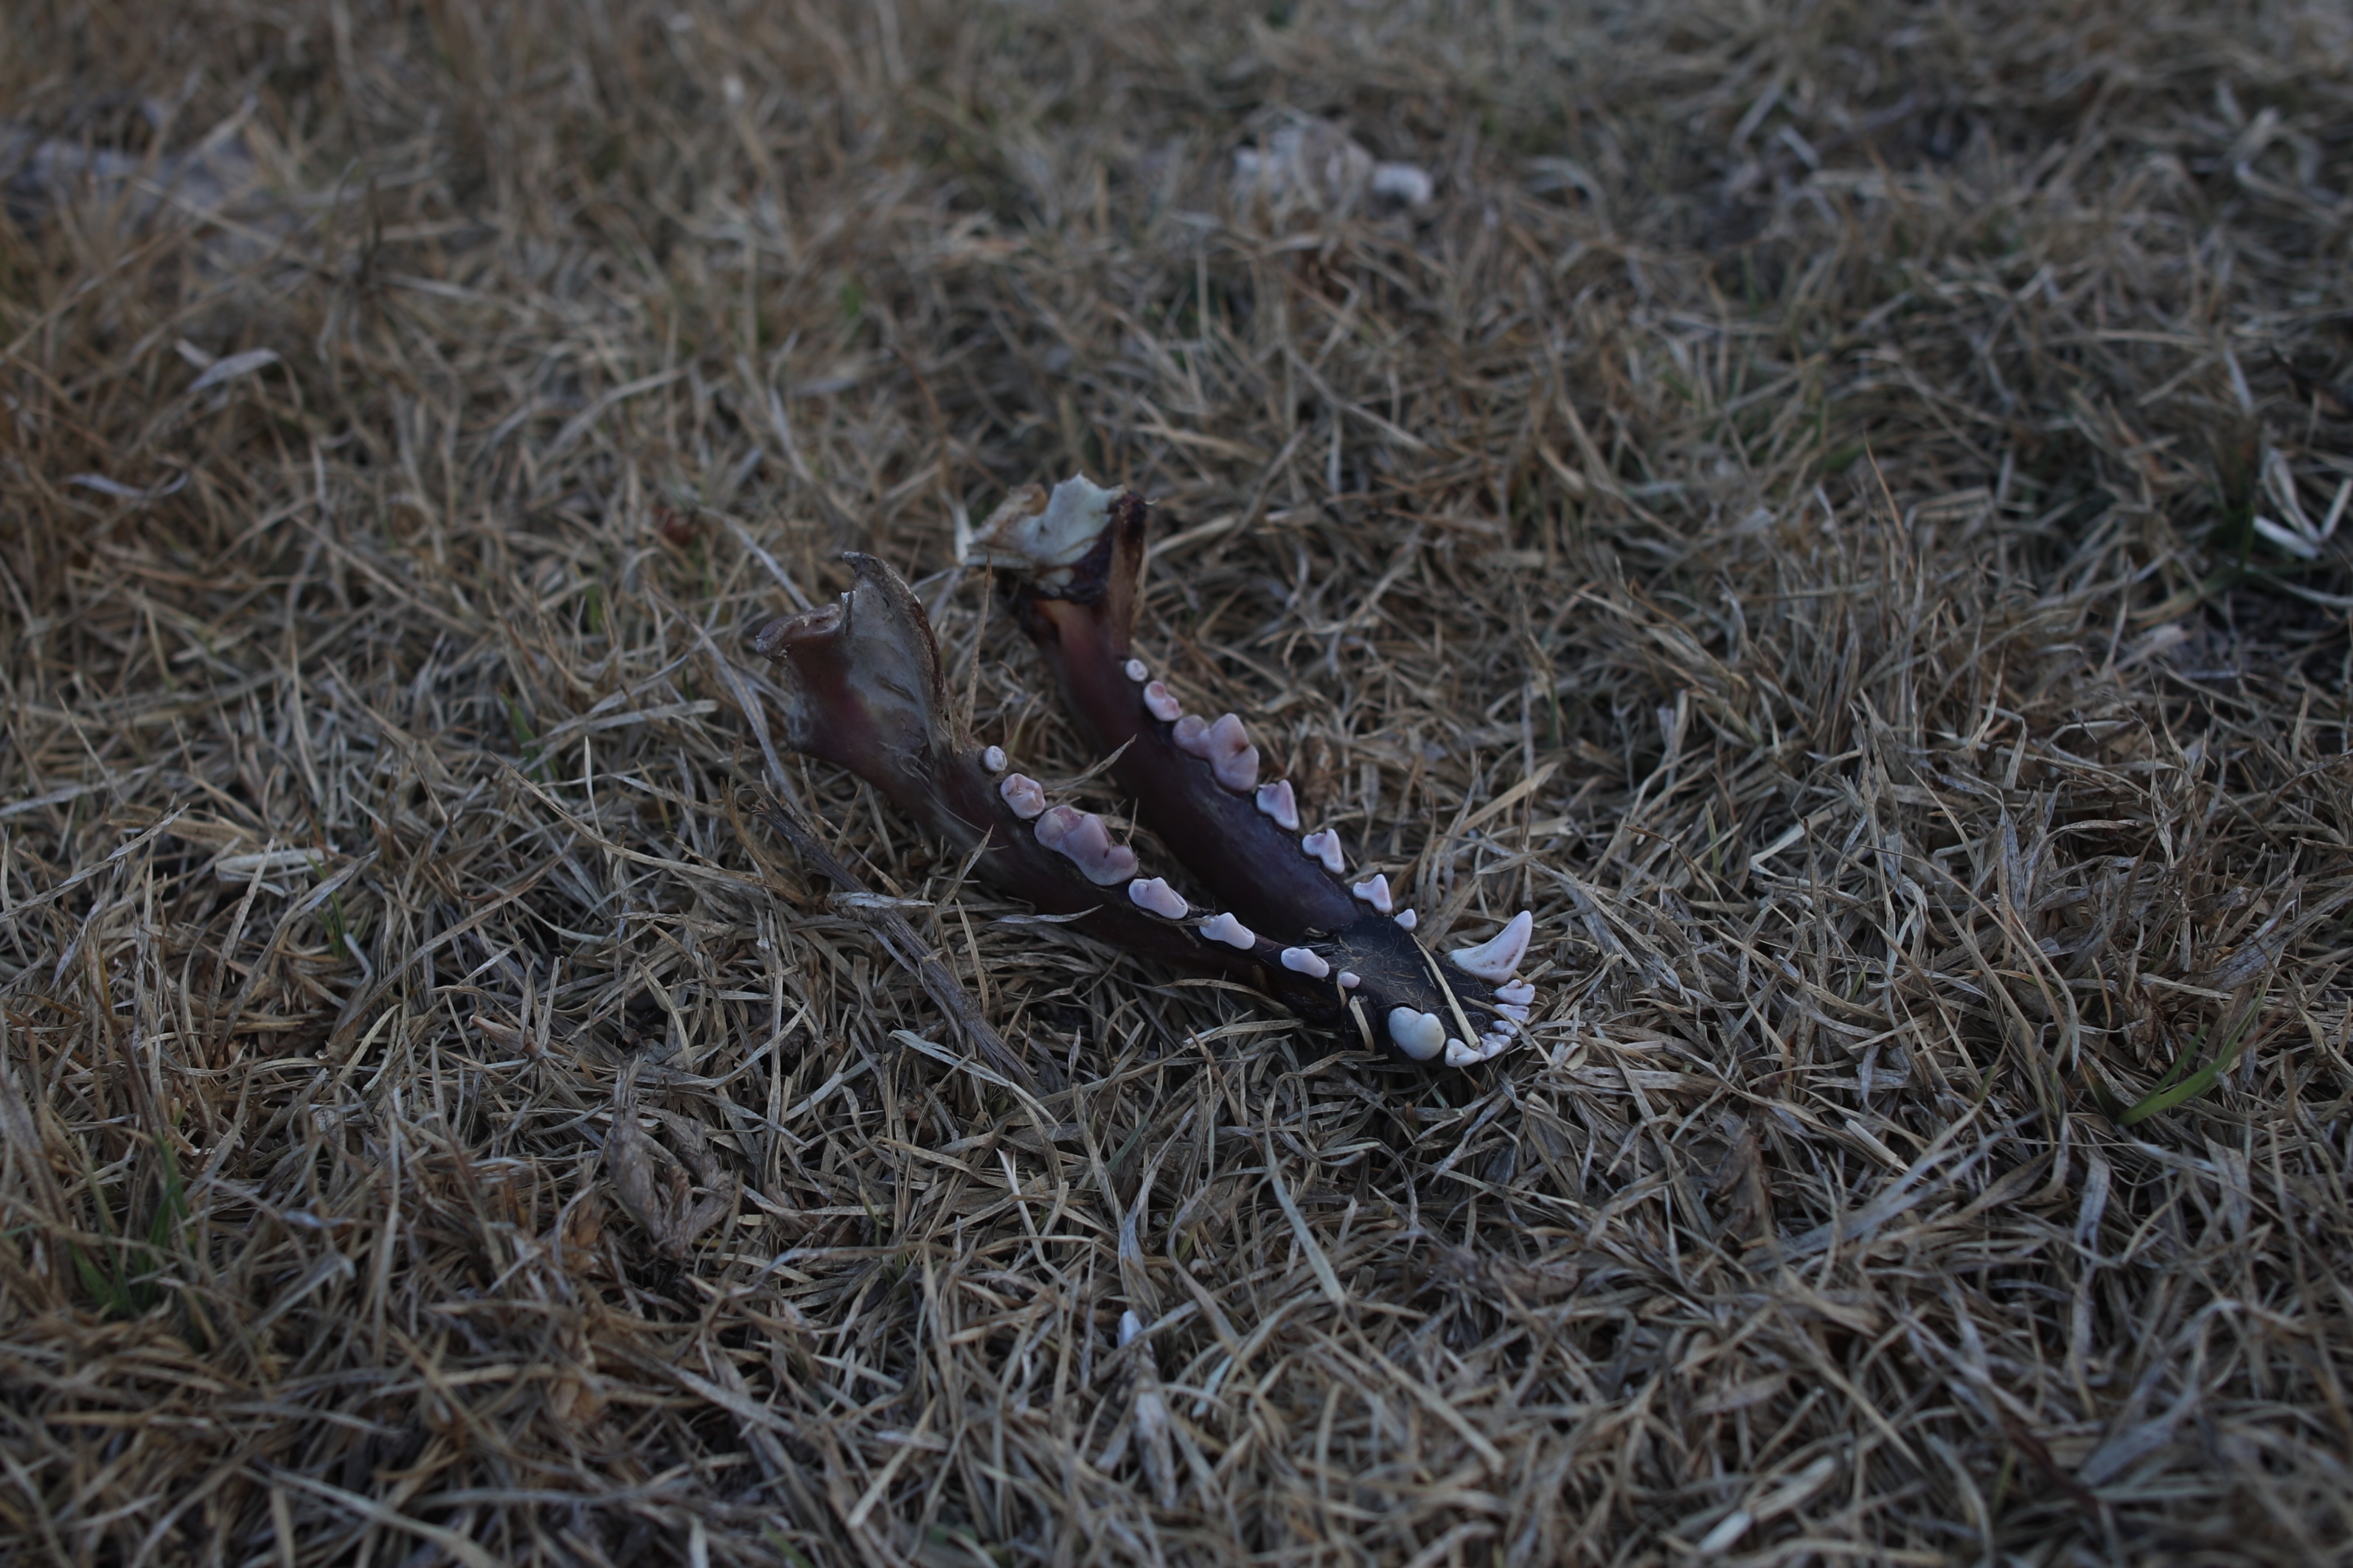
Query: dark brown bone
{"x": 1083, "y": 628}
{"x": 1077, "y": 558}
{"x": 864, "y": 689}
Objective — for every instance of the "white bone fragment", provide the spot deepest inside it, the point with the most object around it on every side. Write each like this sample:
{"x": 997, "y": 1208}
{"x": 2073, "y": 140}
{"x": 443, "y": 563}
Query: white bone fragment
{"x": 993, "y": 758}
{"x": 1158, "y": 897}
{"x": 1375, "y": 891}
{"x": 1025, "y": 794}
{"x": 1046, "y": 535}
{"x": 1232, "y": 932}
{"x": 1518, "y": 995}
{"x": 1081, "y": 838}
{"x": 1161, "y": 703}
{"x": 1418, "y": 1035}
{"x": 1407, "y": 919}
{"x": 1459, "y": 1055}
{"x": 1277, "y": 801}
{"x": 1138, "y": 671}
{"x": 1494, "y": 959}
{"x": 1325, "y": 846}
{"x": 1306, "y": 961}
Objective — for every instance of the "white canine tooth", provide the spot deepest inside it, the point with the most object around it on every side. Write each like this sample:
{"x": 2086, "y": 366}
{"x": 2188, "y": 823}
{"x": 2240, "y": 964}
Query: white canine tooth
{"x": 1494, "y": 959}
{"x": 1277, "y": 801}
{"x": 1158, "y": 897}
{"x": 1080, "y": 837}
{"x": 1418, "y": 1035}
{"x": 1306, "y": 961}
{"x": 1350, "y": 980}
{"x": 993, "y": 758}
{"x": 1459, "y": 1055}
{"x": 1518, "y": 995}
{"x": 1407, "y": 919}
{"x": 1512, "y": 1010}
{"x": 1162, "y": 704}
{"x": 1138, "y": 671}
{"x": 1375, "y": 891}
{"x": 1232, "y": 932}
{"x": 1325, "y": 846}
{"x": 1025, "y": 794}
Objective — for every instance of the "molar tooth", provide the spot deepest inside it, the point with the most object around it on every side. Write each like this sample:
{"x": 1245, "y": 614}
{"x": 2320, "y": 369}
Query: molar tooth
{"x": 993, "y": 758}
{"x": 1512, "y": 1010}
{"x": 1080, "y": 837}
{"x": 1494, "y": 1046}
{"x": 1306, "y": 961}
{"x": 1407, "y": 919}
{"x": 1459, "y": 1055}
{"x": 1325, "y": 846}
{"x": 1277, "y": 801}
{"x": 1350, "y": 980}
{"x": 1162, "y": 704}
{"x": 1232, "y": 759}
{"x": 1494, "y": 959}
{"x": 1138, "y": 671}
{"x": 1025, "y": 794}
{"x": 1503, "y": 1026}
{"x": 1232, "y": 932}
{"x": 1191, "y": 736}
{"x": 1158, "y": 897}
{"x": 1375, "y": 891}
{"x": 1418, "y": 1035}
{"x": 1518, "y": 995}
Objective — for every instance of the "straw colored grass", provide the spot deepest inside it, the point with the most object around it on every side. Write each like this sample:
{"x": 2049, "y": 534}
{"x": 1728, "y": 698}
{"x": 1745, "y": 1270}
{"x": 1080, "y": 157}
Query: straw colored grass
{"x": 1785, "y": 511}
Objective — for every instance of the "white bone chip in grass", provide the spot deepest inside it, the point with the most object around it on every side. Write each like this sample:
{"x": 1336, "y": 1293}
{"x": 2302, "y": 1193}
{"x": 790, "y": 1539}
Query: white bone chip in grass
{"x": 1306, "y": 961}
{"x": 1495, "y": 958}
{"x": 1080, "y": 837}
{"x": 993, "y": 758}
{"x": 1232, "y": 932}
{"x": 1418, "y": 1035}
{"x": 1162, "y": 704}
{"x": 1277, "y": 801}
{"x": 1518, "y": 995}
{"x": 1138, "y": 671}
{"x": 1407, "y": 919}
{"x": 1044, "y": 533}
{"x": 1157, "y": 896}
{"x": 1025, "y": 794}
{"x": 1375, "y": 891}
{"x": 1325, "y": 846}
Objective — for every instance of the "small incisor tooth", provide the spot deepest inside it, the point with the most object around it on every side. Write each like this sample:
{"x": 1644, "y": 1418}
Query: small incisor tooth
{"x": 1277, "y": 801}
{"x": 1025, "y": 794}
{"x": 1138, "y": 671}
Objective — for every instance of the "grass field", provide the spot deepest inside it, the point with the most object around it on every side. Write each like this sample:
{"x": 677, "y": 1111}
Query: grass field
{"x": 1833, "y": 508}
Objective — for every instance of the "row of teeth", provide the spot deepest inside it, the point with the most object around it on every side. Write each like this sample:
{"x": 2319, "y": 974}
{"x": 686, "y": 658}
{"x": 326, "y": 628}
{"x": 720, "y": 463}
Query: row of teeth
{"x": 1225, "y": 746}
{"x": 1084, "y": 838}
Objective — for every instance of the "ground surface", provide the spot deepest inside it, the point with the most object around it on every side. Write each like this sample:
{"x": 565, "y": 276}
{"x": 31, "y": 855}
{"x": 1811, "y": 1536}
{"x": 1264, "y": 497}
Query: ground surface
{"x": 1786, "y": 511}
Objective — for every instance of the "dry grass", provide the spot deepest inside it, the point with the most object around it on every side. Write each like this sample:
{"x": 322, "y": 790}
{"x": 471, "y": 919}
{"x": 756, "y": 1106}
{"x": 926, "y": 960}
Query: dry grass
{"x": 1783, "y": 512}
